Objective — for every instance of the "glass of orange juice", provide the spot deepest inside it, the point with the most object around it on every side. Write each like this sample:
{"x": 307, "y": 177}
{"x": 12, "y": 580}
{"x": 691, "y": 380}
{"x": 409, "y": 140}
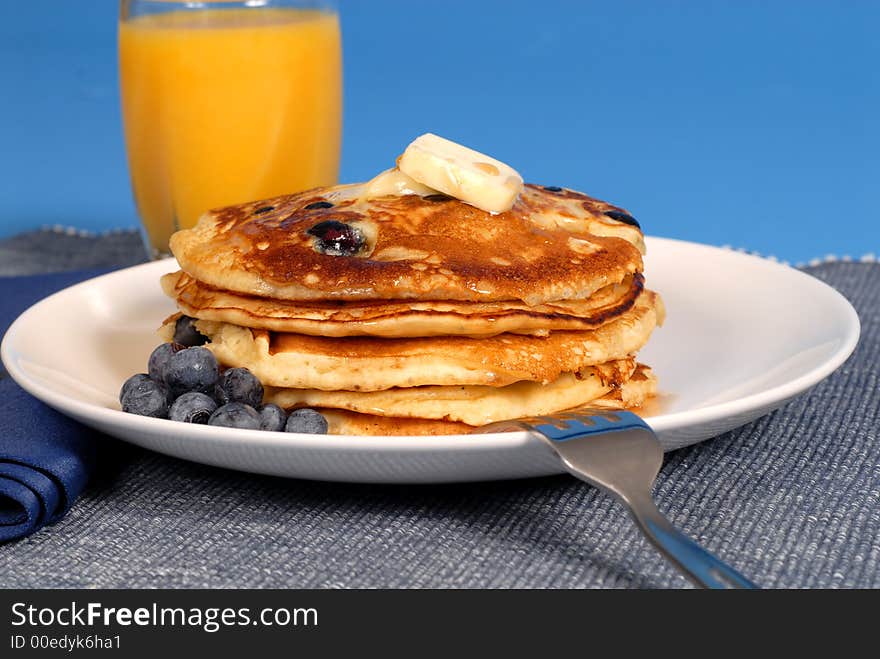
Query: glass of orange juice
{"x": 225, "y": 102}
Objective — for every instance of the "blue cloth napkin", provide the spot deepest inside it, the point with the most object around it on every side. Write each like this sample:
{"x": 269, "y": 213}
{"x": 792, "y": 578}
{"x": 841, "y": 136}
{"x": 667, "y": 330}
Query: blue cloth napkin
{"x": 45, "y": 458}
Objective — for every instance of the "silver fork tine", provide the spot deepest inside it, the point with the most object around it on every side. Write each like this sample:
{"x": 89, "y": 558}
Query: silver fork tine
{"x": 618, "y": 452}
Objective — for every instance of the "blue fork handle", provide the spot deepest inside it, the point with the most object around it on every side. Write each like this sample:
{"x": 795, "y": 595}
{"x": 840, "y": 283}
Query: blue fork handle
{"x": 566, "y": 432}
{"x": 701, "y": 567}
{"x": 626, "y": 467}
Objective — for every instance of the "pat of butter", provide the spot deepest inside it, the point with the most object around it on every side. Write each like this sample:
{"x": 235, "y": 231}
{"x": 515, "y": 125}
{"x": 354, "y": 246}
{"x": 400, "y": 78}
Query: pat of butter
{"x": 393, "y": 182}
{"x": 460, "y": 172}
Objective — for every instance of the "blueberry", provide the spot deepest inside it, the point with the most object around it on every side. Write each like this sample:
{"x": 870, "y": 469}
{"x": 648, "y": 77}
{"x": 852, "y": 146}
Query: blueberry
{"x": 235, "y": 415}
{"x": 192, "y": 407}
{"x": 159, "y": 360}
{"x": 318, "y": 204}
{"x": 144, "y": 396}
{"x": 133, "y": 381}
{"x": 263, "y": 209}
{"x": 192, "y": 369}
{"x": 552, "y": 188}
{"x": 337, "y": 238}
{"x": 620, "y": 216}
{"x": 272, "y": 418}
{"x": 239, "y": 385}
{"x": 186, "y": 334}
{"x": 306, "y": 420}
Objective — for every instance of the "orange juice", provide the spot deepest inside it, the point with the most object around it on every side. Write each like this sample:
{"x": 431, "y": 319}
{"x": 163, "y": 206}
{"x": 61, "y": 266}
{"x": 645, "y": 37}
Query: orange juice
{"x": 226, "y": 106}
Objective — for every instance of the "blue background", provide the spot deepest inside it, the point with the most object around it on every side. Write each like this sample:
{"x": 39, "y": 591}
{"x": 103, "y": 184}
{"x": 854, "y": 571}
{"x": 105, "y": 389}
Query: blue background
{"x": 742, "y": 122}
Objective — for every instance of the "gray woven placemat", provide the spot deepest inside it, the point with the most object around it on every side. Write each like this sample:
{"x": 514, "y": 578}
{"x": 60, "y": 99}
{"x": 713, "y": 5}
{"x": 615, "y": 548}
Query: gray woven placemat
{"x": 791, "y": 500}
{"x": 60, "y": 249}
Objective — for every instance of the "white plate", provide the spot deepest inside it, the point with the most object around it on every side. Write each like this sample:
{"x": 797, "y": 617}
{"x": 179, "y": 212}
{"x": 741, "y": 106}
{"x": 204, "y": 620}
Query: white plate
{"x": 743, "y": 336}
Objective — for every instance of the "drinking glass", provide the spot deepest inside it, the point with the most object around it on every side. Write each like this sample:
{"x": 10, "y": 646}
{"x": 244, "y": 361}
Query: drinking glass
{"x": 225, "y": 102}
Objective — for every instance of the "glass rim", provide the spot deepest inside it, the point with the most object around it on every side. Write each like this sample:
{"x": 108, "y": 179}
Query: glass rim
{"x": 130, "y": 9}
{"x": 199, "y": 4}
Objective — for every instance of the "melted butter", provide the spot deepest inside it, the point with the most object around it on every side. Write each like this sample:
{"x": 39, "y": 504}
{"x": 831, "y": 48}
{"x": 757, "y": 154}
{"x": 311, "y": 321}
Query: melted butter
{"x": 394, "y": 183}
{"x": 401, "y": 254}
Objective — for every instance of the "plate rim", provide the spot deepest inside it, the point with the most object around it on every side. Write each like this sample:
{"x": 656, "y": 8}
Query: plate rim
{"x": 418, "y": 443}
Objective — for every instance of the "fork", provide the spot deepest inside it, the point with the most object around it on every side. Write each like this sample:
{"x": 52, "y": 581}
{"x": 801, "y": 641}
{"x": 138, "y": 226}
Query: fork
{"x": 618, "y": 452}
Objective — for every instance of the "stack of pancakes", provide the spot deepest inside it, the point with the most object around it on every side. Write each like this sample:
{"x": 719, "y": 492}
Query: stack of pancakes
{"x": 423, "y": 314}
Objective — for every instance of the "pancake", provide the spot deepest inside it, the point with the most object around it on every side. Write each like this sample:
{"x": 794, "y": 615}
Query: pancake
{"x": 552, "y": 245}
{"x": 396, "y": 319}
{"x": 395, "y": 311}
{"x": 371, "y": 364}
{"x": 343, "y": 422}
{"x": 630, "y": 395}
{"x": 473, "y": 405}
